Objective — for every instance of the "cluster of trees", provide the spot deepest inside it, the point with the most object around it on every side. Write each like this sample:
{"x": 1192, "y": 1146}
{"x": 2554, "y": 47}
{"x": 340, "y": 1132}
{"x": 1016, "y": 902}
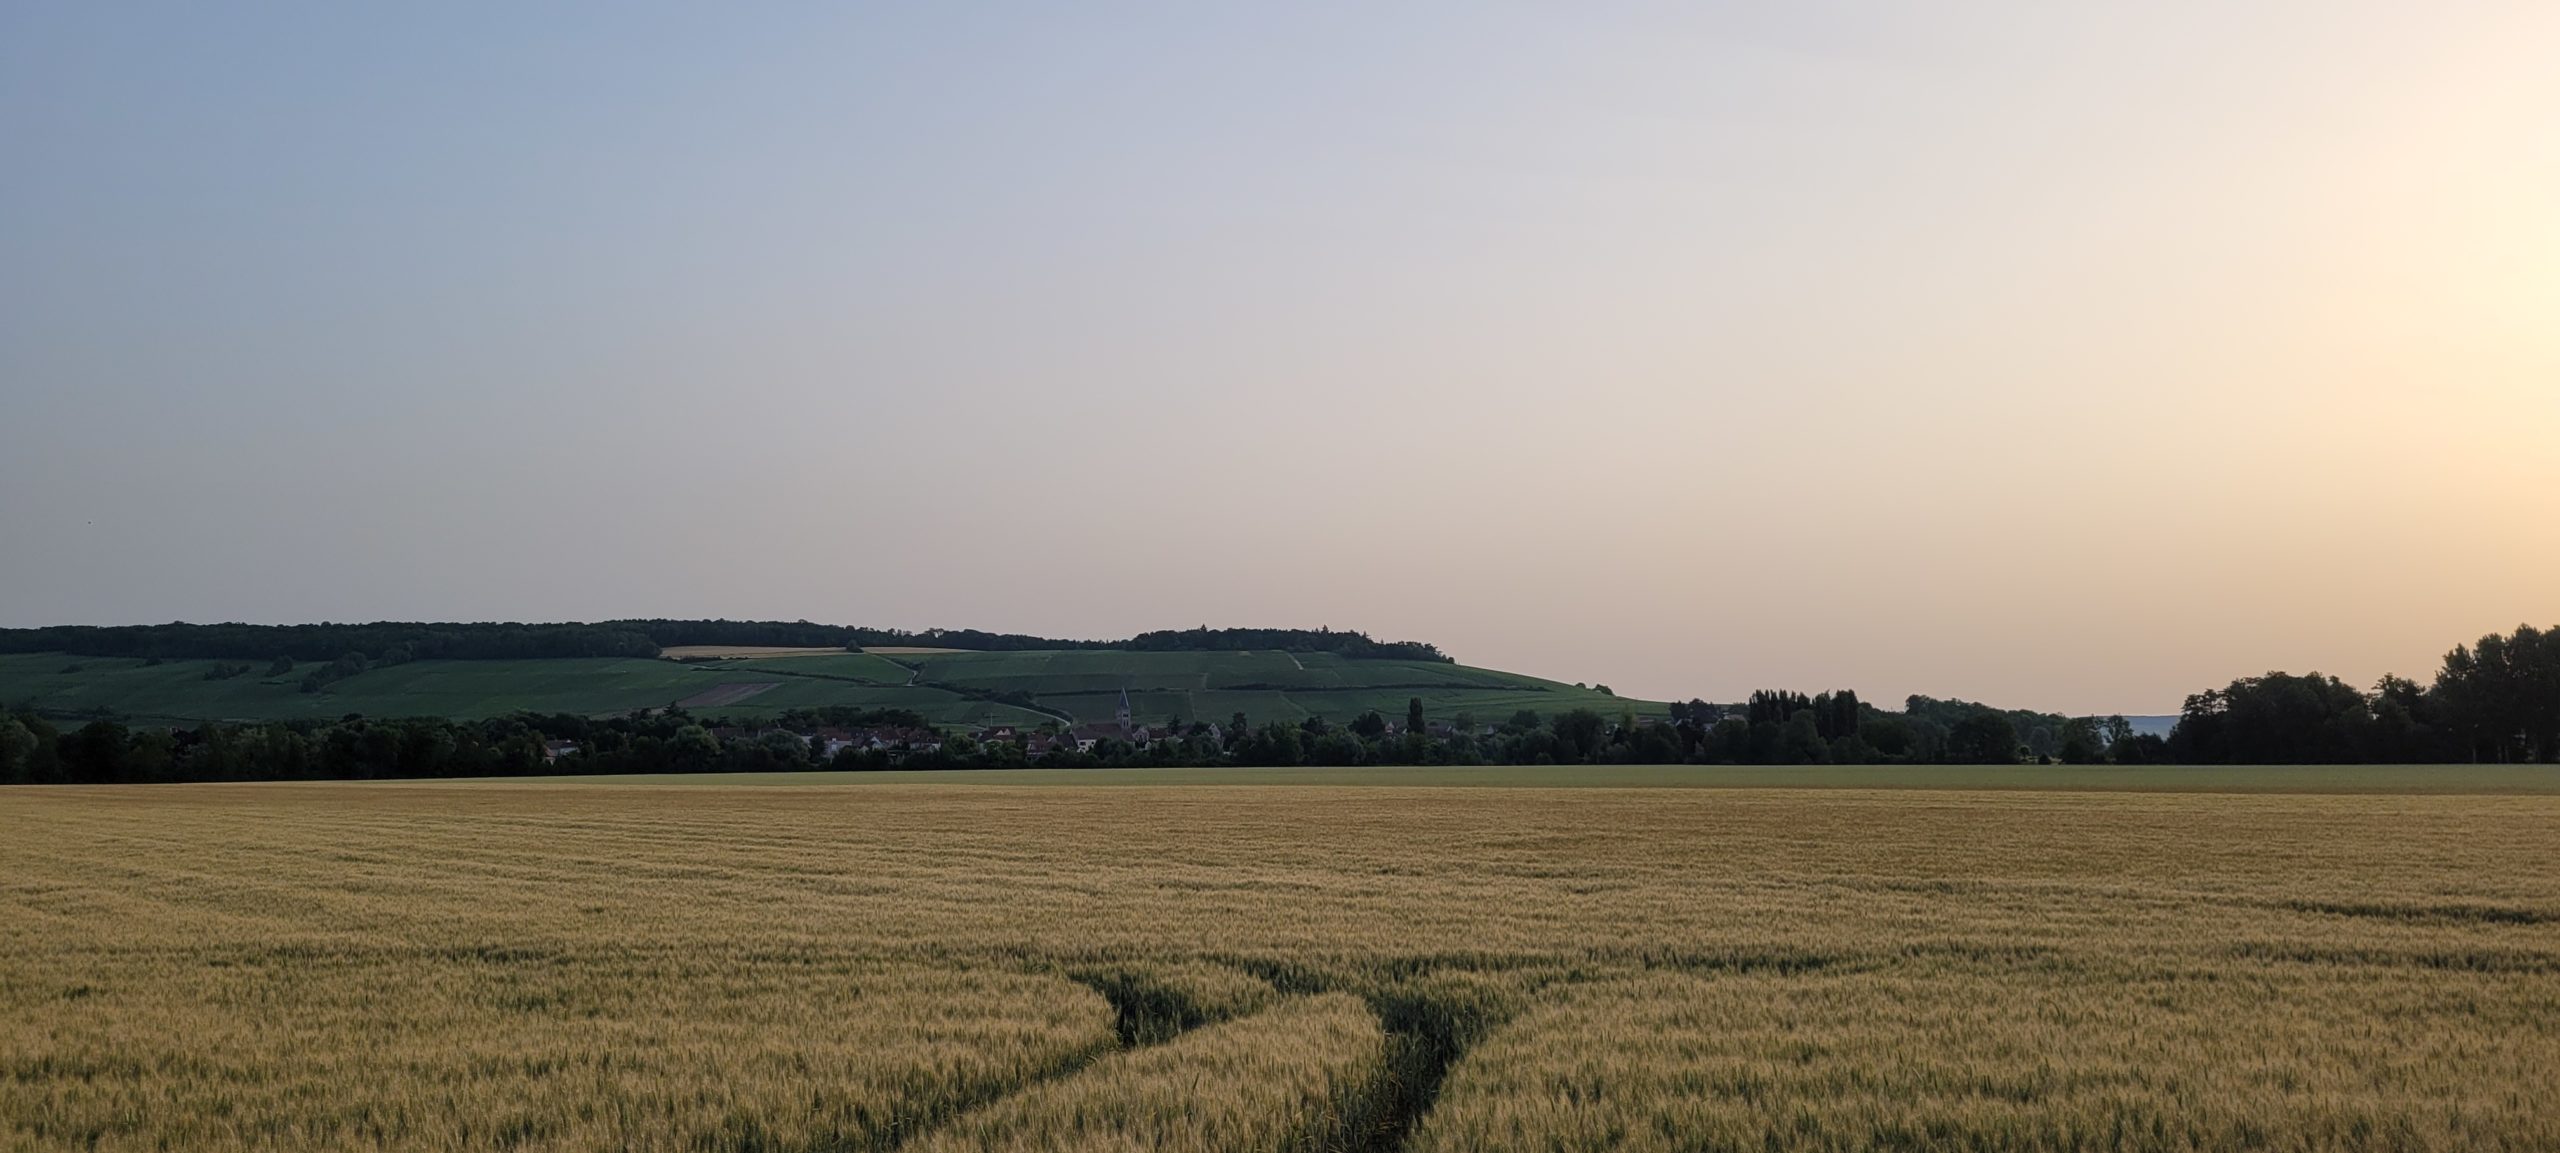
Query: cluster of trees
{"x": 347, "y": 665}
{"x": 34, "y": 751}
{"x": 2503, "y": 697}
{"x": 1578, "y": 736}
{"x": 1353, "y": 645}
{"x": 389, "y": 642}
{"x": 1774, "y": 729}
{"x": 802, "y": 634}
{"x": 2498, "y": 701}
{"x": 327, "y": 642}
{"x": 1777, "y": 727}
{"x": 104, "y": 751}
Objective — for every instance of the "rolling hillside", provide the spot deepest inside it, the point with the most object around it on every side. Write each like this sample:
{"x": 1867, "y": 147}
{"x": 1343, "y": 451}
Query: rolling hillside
{"x": 948, "y": 688}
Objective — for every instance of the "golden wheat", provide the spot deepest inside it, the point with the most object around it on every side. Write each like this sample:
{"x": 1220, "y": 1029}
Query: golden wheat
{"x": 462, "y": 966}
{"x": 1271, "y": 1082}
{"x": 2018, "y": 1058}
{"x": 472, "y": 1049}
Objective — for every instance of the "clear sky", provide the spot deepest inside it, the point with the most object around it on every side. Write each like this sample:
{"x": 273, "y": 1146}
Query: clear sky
{"x": 2073, "y": 356}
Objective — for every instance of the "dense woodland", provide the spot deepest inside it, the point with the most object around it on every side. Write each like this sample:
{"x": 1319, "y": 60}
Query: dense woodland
{"x": 2496, "y": 701}
{"x": 383, "y": 642}
{"x": 392, "y": 642}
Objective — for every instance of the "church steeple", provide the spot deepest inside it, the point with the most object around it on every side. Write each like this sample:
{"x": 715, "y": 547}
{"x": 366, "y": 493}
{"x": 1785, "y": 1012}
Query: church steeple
{"x": 1123, "y": 715}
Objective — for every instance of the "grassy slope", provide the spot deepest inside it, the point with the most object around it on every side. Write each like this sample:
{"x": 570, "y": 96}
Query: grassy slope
{"x": 177, "y": 690}
{"x": 1083, "y": 685}
{"x": 1265, "y": 686}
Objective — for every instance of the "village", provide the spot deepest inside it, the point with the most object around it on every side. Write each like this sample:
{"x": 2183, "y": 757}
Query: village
{"x": 825, "y": 743}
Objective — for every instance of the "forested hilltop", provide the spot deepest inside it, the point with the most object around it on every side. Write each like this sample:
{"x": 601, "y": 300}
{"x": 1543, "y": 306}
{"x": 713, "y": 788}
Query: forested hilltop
{"x": 393, "y": 642}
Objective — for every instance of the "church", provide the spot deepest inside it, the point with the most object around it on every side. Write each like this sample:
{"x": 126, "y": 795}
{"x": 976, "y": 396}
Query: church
{"x": 1122, "y": 727}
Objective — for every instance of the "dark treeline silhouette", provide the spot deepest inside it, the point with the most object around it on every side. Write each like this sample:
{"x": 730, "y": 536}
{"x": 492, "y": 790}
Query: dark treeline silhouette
{"x": 802, "y": 634}
{"x": 1355, "y": 645}
{"x": 392, "y": 642}
{"x": 388, "y": 642}
{"x": 2498, "y": 700}
{"x": 34, "y": 751}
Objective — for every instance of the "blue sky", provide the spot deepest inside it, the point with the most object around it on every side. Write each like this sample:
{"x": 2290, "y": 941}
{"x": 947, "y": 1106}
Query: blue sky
{"x": 2074, "y": 356}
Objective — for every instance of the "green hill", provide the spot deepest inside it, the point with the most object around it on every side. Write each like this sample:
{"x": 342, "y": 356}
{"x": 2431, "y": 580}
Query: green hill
{"x": 948, "y": 688}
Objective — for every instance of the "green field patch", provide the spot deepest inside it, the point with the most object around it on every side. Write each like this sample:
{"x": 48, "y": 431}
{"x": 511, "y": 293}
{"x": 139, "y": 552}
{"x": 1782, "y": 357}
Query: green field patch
{"x": 462, "y": 689}
{"x": 466, "y": 690}
{"x": 1257, "y": 707}
{"x": 1066, "y": 684}
{"x": 937, "y": 706}
{"x": 1327, "y": 670}
{"x": 848, "y": 666}
{"x": 1145, "y": 708}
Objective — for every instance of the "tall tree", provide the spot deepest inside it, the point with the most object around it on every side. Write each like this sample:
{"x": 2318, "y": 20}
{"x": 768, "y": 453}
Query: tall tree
{"x": 1836, "y": 713}
{"x": 1985, "y": 738}
{"x": 2275, "y": 719}
{"x": 1582, "y": 732}
{"x": 1776, "y": 706}
{"x": 2503, "y": 695}
{"x": 17, "y": 752}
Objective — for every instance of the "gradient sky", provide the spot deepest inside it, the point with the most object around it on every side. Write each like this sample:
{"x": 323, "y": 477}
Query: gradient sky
{"x": 2073, "y": 356}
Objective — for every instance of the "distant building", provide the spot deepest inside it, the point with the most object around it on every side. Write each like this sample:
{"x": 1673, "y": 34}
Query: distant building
{"x": 1039, "y": 745}
{"x": 1120, "y": 728}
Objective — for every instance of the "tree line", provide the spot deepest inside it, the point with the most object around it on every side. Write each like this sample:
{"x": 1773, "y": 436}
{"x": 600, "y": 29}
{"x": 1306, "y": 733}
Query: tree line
{"x": 2498, "y": 700}
{"x": 1351, "y": 645}
{"x": 33, "y": 750}
{"x": 2494, "y": 702}
{"x": 392, "y": 642}
{"x": 105, "y": 751}
{"x": 388, "y": 642}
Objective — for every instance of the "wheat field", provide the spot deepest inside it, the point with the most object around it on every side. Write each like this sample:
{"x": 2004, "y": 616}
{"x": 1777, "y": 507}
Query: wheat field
{"x": 458, "y": 966}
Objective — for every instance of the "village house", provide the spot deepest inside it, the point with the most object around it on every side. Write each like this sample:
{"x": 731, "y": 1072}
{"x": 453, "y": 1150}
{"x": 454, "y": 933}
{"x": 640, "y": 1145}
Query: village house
{"x": 1038, "y": 745}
